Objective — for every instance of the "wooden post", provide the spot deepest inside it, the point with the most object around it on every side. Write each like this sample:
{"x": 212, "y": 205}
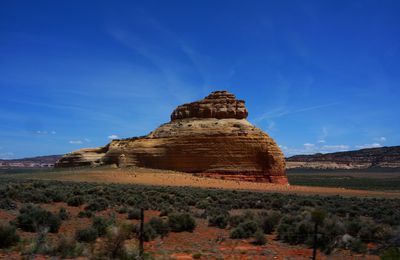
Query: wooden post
{"x": 317, "y": 217}
{"x": 141, "y": 233}
{"x": 314, "y": 257}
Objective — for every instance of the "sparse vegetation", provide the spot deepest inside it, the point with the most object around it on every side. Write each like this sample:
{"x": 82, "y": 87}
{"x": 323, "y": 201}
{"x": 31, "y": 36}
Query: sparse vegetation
{"x": 134, "y": 214}
{"x": 75, "y": 201}
{"x": 259, "y": 238}
{"x": 33, "y": 219}
{"x": 179, "y": 222}
{"x": 244, "y": 230}
{"x": 86, "y": 235}
{"x": 160, "y": 226}
{"x": 220, "y": 220}
{"x": 101, "y": 224}
{"x": 368, "y": 179}
{"x": 67, "y": 247}
{"x": 348, "y": 223}
{"x": 8, "y": 236}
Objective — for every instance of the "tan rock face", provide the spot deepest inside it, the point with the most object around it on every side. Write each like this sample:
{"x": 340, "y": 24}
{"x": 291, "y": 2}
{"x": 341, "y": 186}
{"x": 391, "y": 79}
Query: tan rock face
{"x": 83, "y": 157}
{"x": 218, "y": 143}
{"x": 219, "y": 104}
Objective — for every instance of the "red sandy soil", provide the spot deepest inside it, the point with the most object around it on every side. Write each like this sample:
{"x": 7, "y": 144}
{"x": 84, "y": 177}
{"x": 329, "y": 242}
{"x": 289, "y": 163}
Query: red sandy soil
{"x": 210, "y": 242}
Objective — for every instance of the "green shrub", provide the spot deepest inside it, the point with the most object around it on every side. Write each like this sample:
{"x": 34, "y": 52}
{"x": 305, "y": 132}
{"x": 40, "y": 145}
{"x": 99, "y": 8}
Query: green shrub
{"x": 75, "y": 201}
{"x": 97, "y": 205}
{"x": 86, "y": 235}
{"x": 101, "y": 224}
{"x": 148, "y": 232}
{"x": 85, "y": 214}
{"x": 235, "y": 220}
{"x": 8, "y": 236}
{"x": 54, "y": 195}
{"x": 296, "y": 229}
{"x": 270, "y": 221}
{"x": 179, "y": 222}
{"x": 122, "y": 210}
{"x": 7, "y": 204}
{"x": 134, "y": 214}
{"x": 358, "y": 246}
{"x": 353, "y": 227}
{"x": 160, "y": 226}
{"x": 238, "y": 233}
{"x": 220, "y": 221}
{"x": 32, "y": 219}
{"x": 41, "y": 244}
{"x": 330, "y": 231}
{"x": 259, "y": 238}
{"x": 67, "y": 247}
{"x": 391, "y": 253}
{"x": 196, "y": 255}
{"x": 114, "y": 243}
{"x": 58, "y": 197}
{"x": 34, "y": 197}
{"x": 63, "y": 214}
{"x": 165, "y": 211}
{"x": 244, "y": 230}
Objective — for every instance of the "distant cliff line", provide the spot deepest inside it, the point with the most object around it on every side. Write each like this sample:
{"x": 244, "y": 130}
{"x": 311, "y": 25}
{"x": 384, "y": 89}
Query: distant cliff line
{"x": 382, "y": 157}
{"x": 47, "y": 161}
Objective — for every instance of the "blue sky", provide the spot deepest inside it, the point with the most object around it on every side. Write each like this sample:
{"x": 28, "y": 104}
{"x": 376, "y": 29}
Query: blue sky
{"x": 318, "y": 76}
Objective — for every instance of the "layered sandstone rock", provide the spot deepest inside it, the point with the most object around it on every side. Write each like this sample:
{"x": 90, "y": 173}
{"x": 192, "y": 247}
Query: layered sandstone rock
{"x": 381, "y": 157}
{"x": 83, "y": 157}
{"x": 210, "y": 137}
{"x": 219, "y": 104}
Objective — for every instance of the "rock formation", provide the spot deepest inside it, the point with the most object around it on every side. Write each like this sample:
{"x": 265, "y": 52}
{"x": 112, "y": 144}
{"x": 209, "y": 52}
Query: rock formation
{"x": 210, "y": 137}
{"x": 83, "y": 157}
{"x": 219, "y": 104}
{"x": 382, "y": 157}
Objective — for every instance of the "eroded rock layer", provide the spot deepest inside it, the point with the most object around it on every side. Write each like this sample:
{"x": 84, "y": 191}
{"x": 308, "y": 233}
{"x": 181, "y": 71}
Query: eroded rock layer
{"x": 209, "y": 137}
{"x": 83, "y": 157}
{"x": 381, "y": 157}
{"x": 219, "y": 104}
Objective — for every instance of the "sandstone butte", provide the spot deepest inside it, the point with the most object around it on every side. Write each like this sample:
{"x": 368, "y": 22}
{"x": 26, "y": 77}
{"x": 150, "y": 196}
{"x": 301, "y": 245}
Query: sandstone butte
{"x": 210, "y": 137}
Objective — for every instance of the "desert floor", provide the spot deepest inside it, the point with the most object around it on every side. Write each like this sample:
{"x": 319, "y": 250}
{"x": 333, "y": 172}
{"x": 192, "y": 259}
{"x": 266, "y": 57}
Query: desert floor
{"x": 170, "y": 178}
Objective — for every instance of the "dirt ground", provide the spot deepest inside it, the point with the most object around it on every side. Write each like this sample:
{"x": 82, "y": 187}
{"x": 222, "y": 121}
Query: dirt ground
{"x": 171, "y": 178}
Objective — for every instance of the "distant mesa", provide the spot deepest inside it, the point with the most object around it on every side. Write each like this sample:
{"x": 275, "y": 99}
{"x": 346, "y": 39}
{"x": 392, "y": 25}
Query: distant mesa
{"x": 32, "y": 162}
{"x": 369, "y": 158}
{"x": 210, "y": 137}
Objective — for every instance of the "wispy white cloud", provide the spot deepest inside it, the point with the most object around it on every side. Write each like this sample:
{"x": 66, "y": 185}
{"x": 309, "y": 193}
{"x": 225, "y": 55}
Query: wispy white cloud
{"x": 46, "y": 132}
{"x": 75, "y": 142}
{"x": 380, "y": 139}
{"x": 177, "y": 72}
{"x": 310, "y": 148}
{"x": 324, "y": 134}
{"x": 113, "y": 136}
{"x": 373, "y": 145}
{"x": 334, "y": 148}
{"x": 6, "y": 155}
{"x": 271, "y": 126}
{"x": 283, "y": 111}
